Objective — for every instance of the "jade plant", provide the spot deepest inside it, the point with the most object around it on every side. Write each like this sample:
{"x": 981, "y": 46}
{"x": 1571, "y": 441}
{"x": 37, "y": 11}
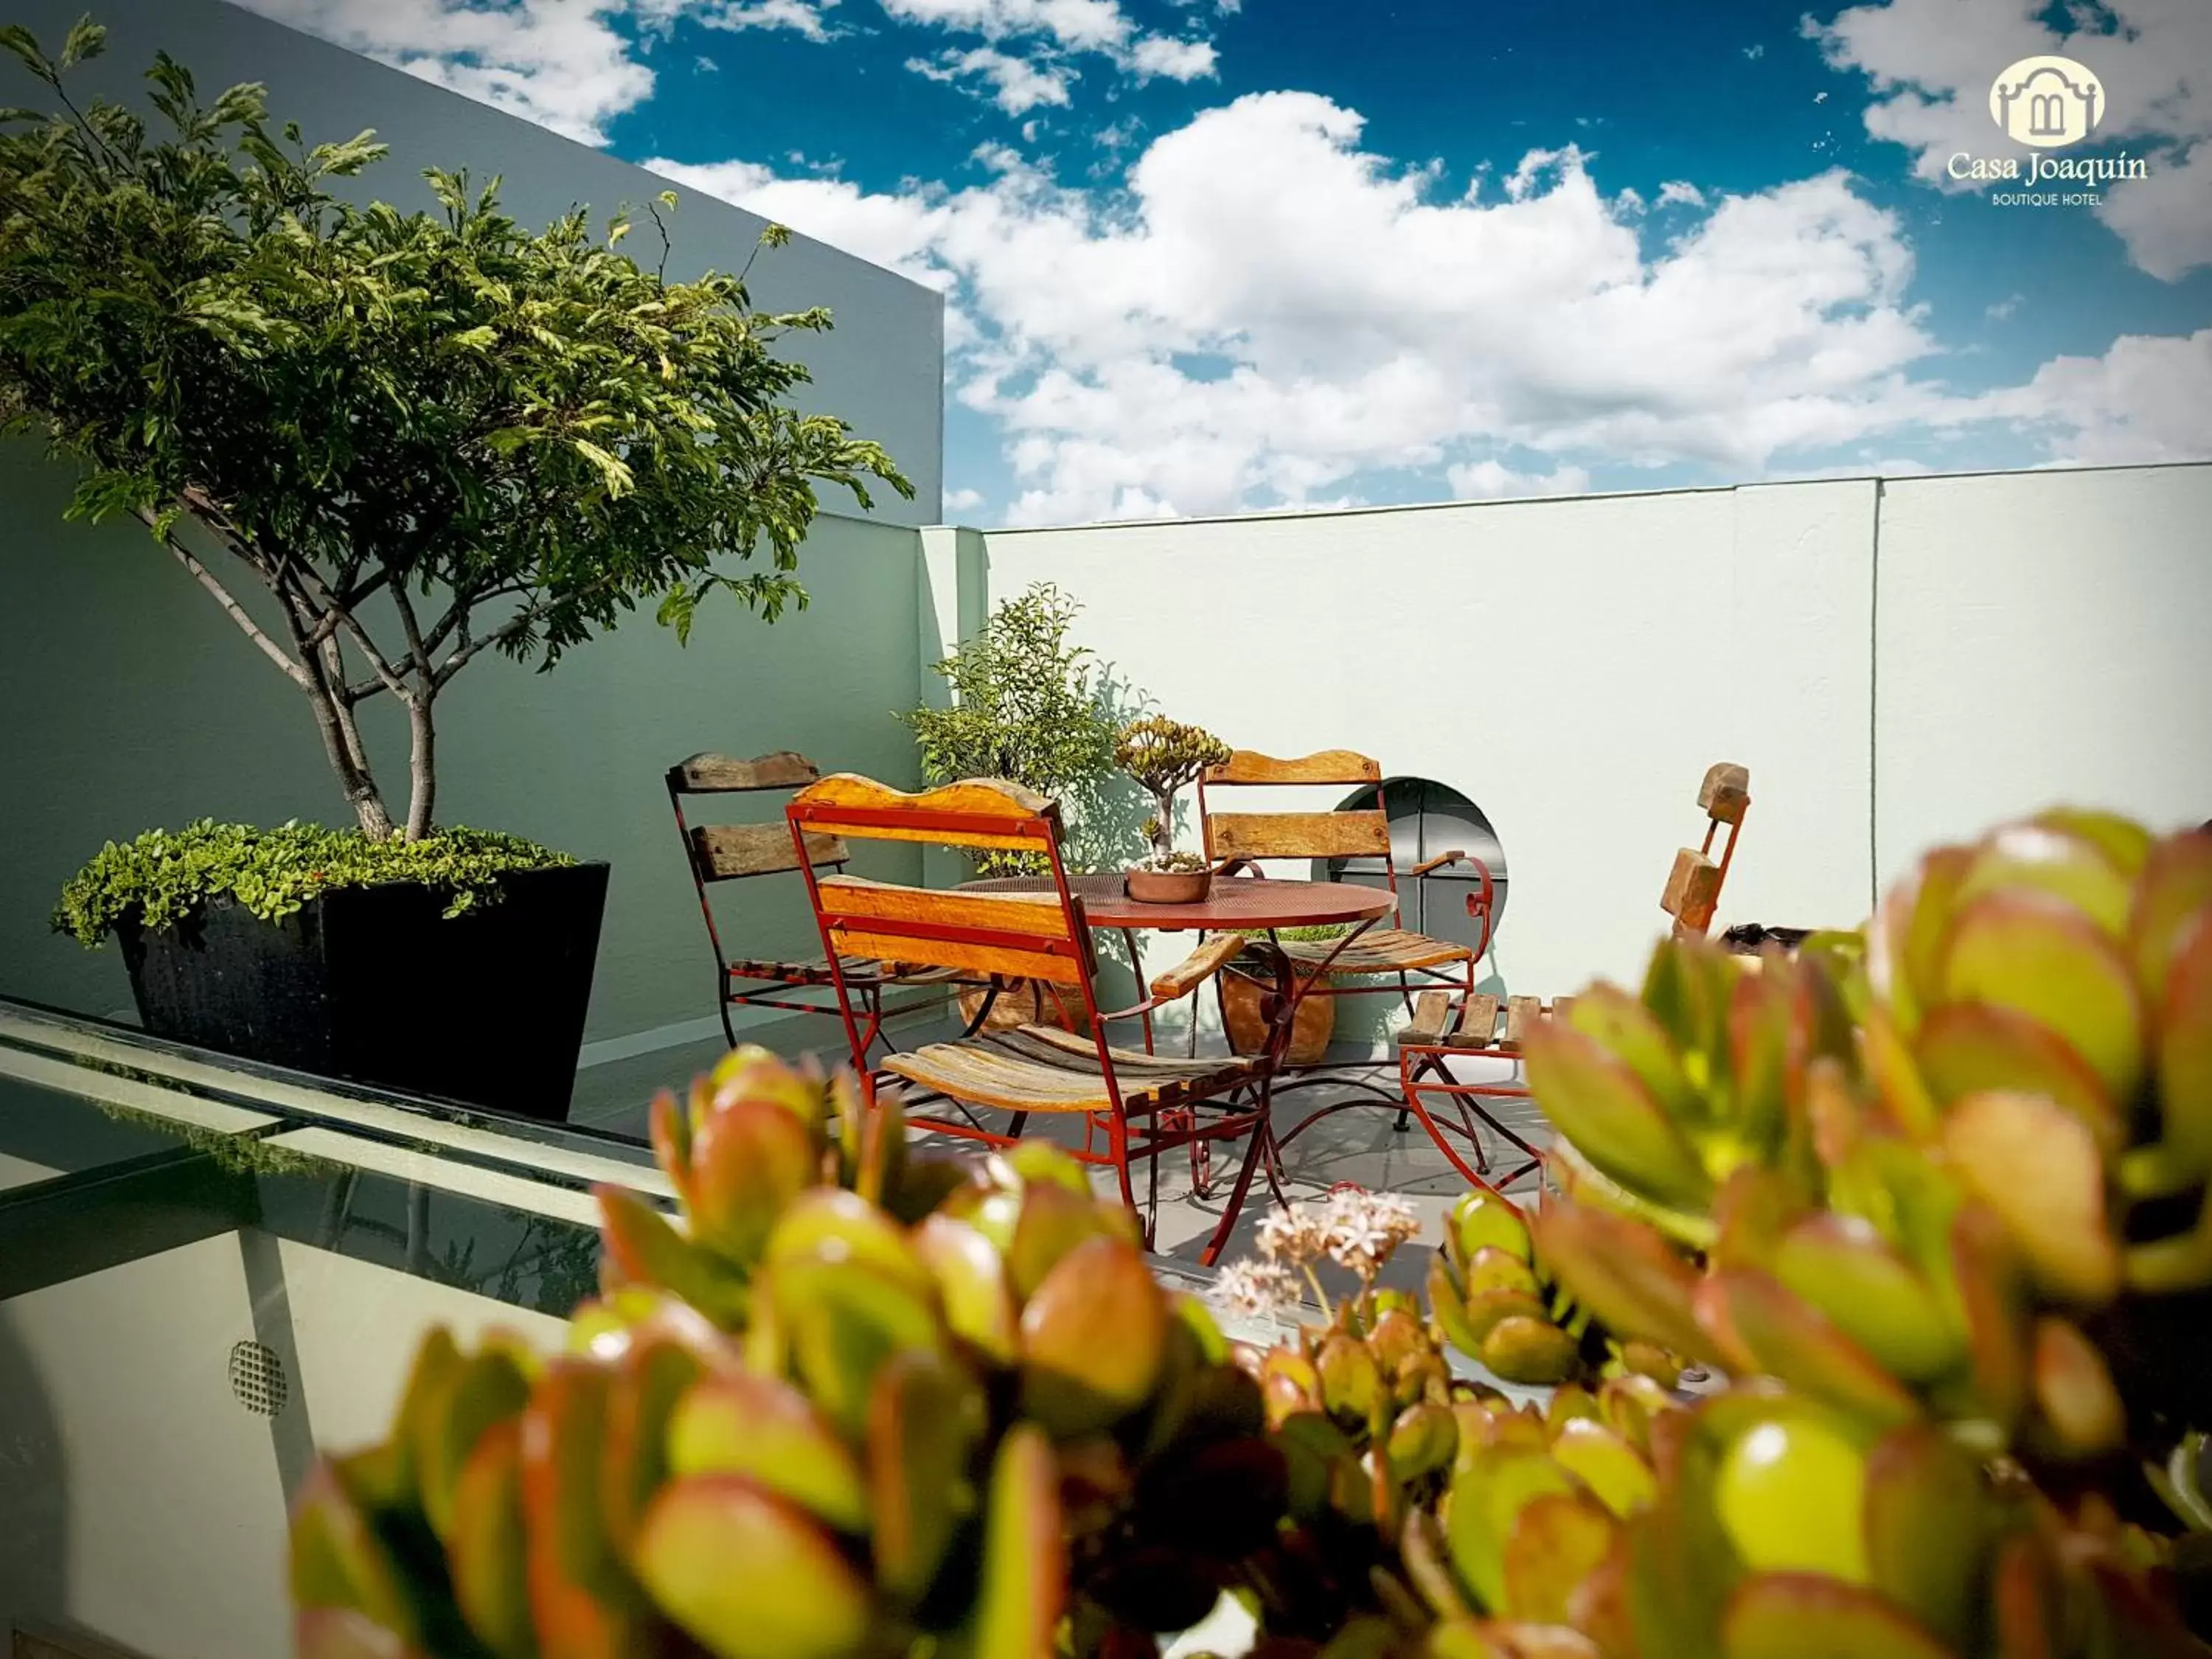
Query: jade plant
{"x": 858, "y": 1403}
{"x": 1945, "y": 1200}
{"x": 1162, "y": 755}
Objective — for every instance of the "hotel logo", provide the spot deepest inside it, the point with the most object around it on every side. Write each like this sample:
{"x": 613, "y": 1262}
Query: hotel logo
{"x": 2047, "y": 103}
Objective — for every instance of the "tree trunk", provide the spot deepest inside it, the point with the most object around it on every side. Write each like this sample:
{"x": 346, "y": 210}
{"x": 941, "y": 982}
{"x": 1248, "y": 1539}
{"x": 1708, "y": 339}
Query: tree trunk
{"x": 421, "y": 764}
{"x": 342, "y": 744}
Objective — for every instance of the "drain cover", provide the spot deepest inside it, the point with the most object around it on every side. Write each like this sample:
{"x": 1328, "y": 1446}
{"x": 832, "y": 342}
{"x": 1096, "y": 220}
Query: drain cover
{"x": 257, "y": 1378}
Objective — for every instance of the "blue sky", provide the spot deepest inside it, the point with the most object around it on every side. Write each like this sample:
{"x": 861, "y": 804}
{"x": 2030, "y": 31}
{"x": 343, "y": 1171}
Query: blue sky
{"x": 1202, "y": 257}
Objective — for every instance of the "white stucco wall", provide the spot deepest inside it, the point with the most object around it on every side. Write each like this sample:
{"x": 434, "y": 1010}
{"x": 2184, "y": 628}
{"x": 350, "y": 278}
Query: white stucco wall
{"x": 145, "y": 1503}
{"x": 1572, "y": 667}
{"x": 1898, "y": 663}
{"x": 2045, "y": 637}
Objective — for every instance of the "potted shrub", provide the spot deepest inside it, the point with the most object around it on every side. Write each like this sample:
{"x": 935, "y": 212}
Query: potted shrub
{"x": 387, "y": 445}
{"x": 1162, "y": 755}
{"x": 1026, "y": 705}
{"x": 1244, "y": 993}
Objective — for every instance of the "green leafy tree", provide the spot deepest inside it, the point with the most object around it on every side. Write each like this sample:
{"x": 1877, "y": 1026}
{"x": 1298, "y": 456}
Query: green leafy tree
{"x": 1027, "y": 705}
{"x": 427, "y": 436}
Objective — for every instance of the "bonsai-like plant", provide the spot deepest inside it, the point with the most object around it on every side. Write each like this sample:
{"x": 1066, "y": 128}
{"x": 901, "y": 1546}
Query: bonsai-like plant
{"x": 422, "y": 437}
{"x": 1162, "y": 755}
{"x": 1026, "y": 706}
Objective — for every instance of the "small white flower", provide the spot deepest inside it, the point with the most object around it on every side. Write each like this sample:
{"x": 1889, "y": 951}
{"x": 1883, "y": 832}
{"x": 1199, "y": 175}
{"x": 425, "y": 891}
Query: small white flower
{"x": 1255, "y": 1290}
{"x": 1363, "y": 1230}
{"x": 1296, "y": 1232}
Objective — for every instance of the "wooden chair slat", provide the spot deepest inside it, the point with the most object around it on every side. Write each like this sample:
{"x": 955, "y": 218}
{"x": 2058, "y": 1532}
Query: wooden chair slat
{"x": 1726, "y": 792}
{"x": 1038, "y": 914}
{"x": 976, "y": 959}
{"x": 1521, "y": 1014}
{"x": 713, "y": 774}
{"x": 1296, "y": 835}
{"x": 1378, "y": 950}
{"x": 1693, "y": 888}
{"x": 1478, "y": 1021}
{"x": 1562, "y": 1006}
{"x": 1326, "y": 766}
{"x": 724, "y": 852}
{"x": 1430, "y": 1010}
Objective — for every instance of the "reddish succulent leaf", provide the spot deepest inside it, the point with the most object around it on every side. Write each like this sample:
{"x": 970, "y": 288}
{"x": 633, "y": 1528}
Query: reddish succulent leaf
{"x": 1484, "y": 1218}
{"x": 2053, "y": 856}
{"x": 1093, "y": 1338}
{"x": 1790, "y": 1339}
{"x": 841, "y": 1320}
{"x": 1024, "y": 1573}
{"x": 1621, "y": 1025}
{"x": 2172, "y": 900}
{"x": 1989, "y": 1300}
{"x": 971, "y": 1286}
{"x": 1351, "y": 1381}
{"x": 751, "y": 1072}
{"x": 1603, "y": 1459}
{"x": 748, "y": 1161}
{"x": 1596, "y": 1102}
{"x": 763, "y": 1428}
{"x": 648, "y": 1380}
{"x": 338, "y": 1561}
{"x": 1926, "y": 1529}
{"x": 1896, "y": 1076}
{"x": 1970, "y": 1046}
{"x": 923, "y": 1423}
{"x": 486, "y": 1546}
{"x": 1841, "y": 1265}
{"x": 2033, "y": 954}
{"x": 1556, "y": 1541}
{"x": 2074, "y": 1391}
{"x": 750, "y": 1576}
{"x": 2125, "y": 844}
{"x": 668, "y": 1126}
{"x": 1521, "y": 1348}
{"x": 2038, "y": 1169}
{"x": 1052, "y": 1222}
{"x": 2184, "y": 1051}
{"x": 582, "y": 1600}
{"x": 1424, "y": 1439}
{"x": 645, "y": 1249}
{"x": 1489, "y": 1491}
{"x": 882, "y": 1156}
{"x": 1494, "y": 1269}
{"x": 827, "y": 1223}
{"x": 1791, "y": 1616}
{"x": 452, "y": 1415}
{"x": 1624, "y": 1273}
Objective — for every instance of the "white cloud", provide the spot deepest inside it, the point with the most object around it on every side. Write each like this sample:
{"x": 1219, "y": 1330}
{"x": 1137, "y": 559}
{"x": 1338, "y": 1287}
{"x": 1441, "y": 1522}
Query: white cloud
{"x": 1269, "y": 312}
{"x": 1930, "y": 64}
{"x": 962, "y": 500}
{"x": 1680, "y": 190}
{"x": 1491, "y": 480}
{"x": 1756, "y": 51}
{"x": 806, "y": 17}
{"x": 1018, "y": 84}
{"x": 1165, "y": 58}
{"x": 558, "y": 63}
{"x": 2147, "y": 398}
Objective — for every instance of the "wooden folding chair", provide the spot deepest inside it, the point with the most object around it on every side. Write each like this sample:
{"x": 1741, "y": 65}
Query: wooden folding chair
{"x": 719, "y": 853}
{"x": 1236, "y": 842}
{"x": 1132, "y": 1105}
{"x": 1444, "y": 1028}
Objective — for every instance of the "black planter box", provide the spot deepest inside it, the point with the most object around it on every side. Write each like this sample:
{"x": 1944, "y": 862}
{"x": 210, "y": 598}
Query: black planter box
{"x": 375, "y": 985}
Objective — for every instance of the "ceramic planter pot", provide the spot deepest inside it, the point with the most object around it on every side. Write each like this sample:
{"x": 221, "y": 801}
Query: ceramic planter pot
{"x": 1028, "y": 1002}
{"x": 1246, "y": 1027}
{"x": 1168, "y": 886}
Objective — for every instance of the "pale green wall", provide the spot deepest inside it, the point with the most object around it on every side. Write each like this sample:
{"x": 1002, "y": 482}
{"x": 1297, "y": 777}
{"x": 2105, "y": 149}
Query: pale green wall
{"x": 127, "y": 700}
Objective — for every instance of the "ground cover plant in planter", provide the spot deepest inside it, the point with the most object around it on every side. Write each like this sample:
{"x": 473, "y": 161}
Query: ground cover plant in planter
{"x": 1933, "y": 1215}
{"x": 387, "y": 445}
{"x": 1162, "y": 755}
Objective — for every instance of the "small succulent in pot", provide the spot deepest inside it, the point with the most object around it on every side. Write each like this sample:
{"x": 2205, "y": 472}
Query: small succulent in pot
{"x": 1162, "y": 755}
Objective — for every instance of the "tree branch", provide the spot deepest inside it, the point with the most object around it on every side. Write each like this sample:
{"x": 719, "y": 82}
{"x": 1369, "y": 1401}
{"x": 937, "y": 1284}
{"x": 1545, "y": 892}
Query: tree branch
{"x": 207, "y": 578}
{"x": 329, "y": 604}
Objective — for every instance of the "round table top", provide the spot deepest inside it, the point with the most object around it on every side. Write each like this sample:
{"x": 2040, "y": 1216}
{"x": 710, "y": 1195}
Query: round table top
{"x": 1234, "y": 903}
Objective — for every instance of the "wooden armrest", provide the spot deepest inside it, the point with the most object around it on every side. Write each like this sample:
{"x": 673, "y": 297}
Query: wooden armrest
{"x": 1200, "y": 966}
{"x": 1438, "y": 862}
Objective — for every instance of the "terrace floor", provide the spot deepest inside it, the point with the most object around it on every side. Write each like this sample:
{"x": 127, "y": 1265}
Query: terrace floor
{"x": 1359, "y": 1145}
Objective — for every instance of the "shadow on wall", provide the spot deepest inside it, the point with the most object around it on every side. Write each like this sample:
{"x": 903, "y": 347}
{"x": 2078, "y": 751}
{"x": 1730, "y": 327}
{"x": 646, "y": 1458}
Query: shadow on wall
{"x": 1107, "y": 815}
